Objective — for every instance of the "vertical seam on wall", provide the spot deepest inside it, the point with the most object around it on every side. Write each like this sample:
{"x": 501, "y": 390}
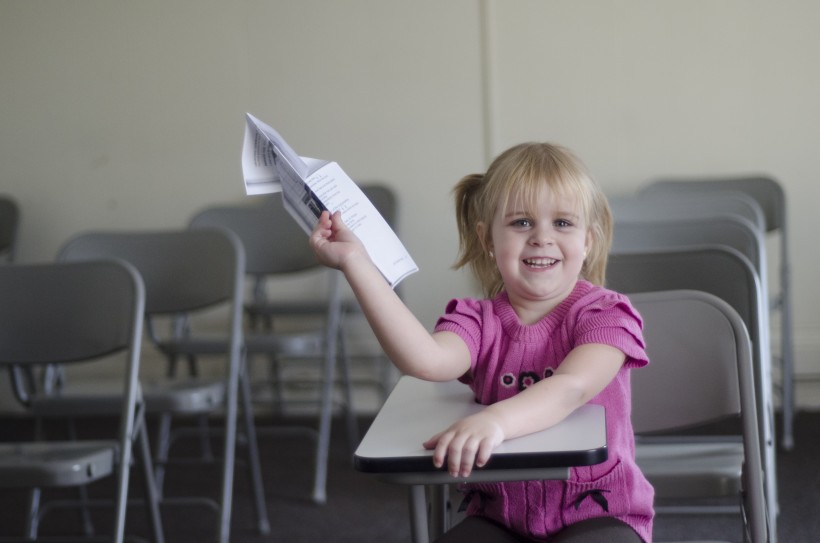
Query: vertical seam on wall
{"x": 486, "y": 13}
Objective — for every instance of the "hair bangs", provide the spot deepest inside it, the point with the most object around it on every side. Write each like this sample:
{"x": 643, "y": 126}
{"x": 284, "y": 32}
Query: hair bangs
{"x": 539, "y": 169}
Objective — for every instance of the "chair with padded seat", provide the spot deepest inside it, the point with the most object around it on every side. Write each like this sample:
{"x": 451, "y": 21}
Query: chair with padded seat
{"x": 278, "y": 249}
{"x": 198, "y": 274}
{"x": 9, "y": 223}
{"x": 771, "y": 197}
{"x": 80, "y": 314}
{"x": 723, "y": 272}
{"x": 700, "y": 372}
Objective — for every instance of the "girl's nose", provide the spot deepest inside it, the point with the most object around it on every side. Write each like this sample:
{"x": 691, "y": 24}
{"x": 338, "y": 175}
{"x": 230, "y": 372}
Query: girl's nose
{"x": 541, "y": 236}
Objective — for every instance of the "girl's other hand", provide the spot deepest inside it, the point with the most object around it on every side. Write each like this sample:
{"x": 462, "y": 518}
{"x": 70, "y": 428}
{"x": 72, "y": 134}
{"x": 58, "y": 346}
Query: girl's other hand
{"x": 466, "y": 444}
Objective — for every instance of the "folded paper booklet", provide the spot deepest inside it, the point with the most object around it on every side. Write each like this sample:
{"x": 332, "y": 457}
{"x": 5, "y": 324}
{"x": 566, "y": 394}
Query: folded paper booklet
{"x": 310, "y": 186}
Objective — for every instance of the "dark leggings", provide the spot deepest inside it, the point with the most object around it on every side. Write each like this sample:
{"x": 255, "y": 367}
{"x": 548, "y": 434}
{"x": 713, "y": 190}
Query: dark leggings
{"x": 596, "y": 530}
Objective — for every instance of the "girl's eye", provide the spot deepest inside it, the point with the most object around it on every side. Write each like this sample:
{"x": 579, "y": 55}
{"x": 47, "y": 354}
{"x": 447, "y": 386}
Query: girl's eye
{"x": 562, "y": 223}
{"x": 522, "y": 223}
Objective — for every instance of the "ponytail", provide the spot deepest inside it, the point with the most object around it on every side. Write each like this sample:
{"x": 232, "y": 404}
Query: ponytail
{"x": 472, "y": 249}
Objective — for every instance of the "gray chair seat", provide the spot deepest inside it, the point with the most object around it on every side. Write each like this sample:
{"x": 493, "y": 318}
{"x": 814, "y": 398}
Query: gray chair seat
{"x": 689, "y": 469}
{"x": 53, "y": 463}
{"x": 85, "y": 398}
{"x": 185, "y": 395}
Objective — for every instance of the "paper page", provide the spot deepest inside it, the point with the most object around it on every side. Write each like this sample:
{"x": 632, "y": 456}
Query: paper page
{"x": 266, "y": 156}
{"x": 310, "y": 186}
{"x": 338, "y": 192}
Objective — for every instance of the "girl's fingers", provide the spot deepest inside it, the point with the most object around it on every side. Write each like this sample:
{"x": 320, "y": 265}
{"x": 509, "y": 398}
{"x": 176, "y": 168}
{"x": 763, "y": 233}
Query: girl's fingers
{"x": 485, "y": 450}
{"x": 441, "y": 447}
{"x": 469, "y": 452}
{"x": 461, "y": 451}
{"x": 431, "y": 443}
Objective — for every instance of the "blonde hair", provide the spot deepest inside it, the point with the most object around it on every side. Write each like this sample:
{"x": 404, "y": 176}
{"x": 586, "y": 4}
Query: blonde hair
{"x": 522, "y": 172}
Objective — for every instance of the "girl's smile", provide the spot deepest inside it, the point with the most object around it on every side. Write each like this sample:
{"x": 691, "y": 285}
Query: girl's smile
{"x": 540, "y": 263}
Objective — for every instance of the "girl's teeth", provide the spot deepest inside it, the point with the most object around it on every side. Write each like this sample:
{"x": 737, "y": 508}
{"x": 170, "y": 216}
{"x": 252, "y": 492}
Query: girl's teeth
{"x": 540, "y": 261}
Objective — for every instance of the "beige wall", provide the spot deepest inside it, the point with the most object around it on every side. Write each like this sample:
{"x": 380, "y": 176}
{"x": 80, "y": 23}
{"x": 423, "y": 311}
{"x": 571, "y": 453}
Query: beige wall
{"x": 129, "y": 114}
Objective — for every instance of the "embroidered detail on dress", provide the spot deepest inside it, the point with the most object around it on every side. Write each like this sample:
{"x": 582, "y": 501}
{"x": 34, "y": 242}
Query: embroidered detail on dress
{"x": 597, "y": 496}
{"x": 527, "y": 379}
{"x": 508, "y": 380}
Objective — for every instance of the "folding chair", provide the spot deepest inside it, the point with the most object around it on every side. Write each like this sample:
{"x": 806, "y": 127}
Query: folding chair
{"x": 700, "y": 372}
{"x": 771, "y": 197}
{"x": 727, "y": 230}
{"x": 277, "y": 248}
{"x": 191, "y": 275}
{"x": 727, "y": 274}
{"x": 9, "y": 221}
{"x": 87, "y": 314}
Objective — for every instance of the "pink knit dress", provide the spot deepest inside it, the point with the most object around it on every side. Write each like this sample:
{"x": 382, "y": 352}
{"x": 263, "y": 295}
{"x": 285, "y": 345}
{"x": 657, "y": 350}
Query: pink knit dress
{"x": 507, "y": 356}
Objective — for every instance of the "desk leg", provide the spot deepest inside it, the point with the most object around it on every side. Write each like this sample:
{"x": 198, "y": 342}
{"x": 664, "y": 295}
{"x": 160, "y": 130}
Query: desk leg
{"x": 439, "y": 510}
{"x": 418, "y": 514}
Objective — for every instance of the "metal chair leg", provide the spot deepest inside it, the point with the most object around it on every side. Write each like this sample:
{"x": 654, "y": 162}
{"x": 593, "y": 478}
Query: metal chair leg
{"x": 152, "y": 496}
{"x": 229, "y": 454}
{"x": 347, "y": 392}
{"x": 255, "y": 467}
{"x": 162, "y": 446}
{"x": 33, "y": 516}
{"x": 325, "y": 421}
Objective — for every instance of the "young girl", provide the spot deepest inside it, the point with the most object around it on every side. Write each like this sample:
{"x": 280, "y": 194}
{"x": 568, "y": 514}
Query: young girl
{"x": 548, "y": 338}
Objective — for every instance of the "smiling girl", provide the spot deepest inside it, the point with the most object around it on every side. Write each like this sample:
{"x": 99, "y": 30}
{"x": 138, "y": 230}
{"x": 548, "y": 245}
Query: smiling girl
{"x": 547, "y": 338}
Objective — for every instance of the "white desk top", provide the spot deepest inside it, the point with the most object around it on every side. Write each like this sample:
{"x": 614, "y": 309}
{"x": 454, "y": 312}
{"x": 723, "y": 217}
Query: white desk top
{"x": 416, "y": 410}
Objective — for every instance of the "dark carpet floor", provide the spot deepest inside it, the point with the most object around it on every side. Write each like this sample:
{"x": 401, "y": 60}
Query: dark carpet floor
{"x": 362, "y": 508}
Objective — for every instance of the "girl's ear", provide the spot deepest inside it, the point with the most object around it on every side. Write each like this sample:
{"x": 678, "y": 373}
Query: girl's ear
{"x": 588, "y": 243}
{"x": 483, "y": 237}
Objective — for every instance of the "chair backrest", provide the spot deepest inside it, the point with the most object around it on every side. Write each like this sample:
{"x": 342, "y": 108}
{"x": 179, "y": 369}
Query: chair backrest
{"x": 385, "y": 200}
{"x": 718, "y": 270}
{"x": 768, "y": 193}
{"x": 732, "y": 231}
{"x": 9, "y": 223}
{"x": 695, "y": 342}
{"x": 183, "y": 270}
{"x": 650, "y": 205}
{"x": 274, "y": 243}
{"x": 62, "y": 313}
{"x": 700, "y": 370}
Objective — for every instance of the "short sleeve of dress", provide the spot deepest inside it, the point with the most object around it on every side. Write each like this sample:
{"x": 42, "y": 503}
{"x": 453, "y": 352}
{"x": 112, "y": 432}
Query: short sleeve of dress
{"x": 464, "y": 318}
{"x": 610, "y": 319}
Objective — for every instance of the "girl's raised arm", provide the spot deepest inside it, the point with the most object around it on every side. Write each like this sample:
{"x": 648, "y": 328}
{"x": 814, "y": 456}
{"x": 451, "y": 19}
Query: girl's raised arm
{"x": 415, "y": 351}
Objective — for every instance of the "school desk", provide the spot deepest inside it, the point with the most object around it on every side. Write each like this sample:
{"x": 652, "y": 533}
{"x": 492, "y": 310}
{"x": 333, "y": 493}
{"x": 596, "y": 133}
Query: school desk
{"x": 416, "y": 410}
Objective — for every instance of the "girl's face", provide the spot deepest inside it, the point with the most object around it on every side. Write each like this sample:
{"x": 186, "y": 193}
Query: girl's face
{"x": 539, "y": 253}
